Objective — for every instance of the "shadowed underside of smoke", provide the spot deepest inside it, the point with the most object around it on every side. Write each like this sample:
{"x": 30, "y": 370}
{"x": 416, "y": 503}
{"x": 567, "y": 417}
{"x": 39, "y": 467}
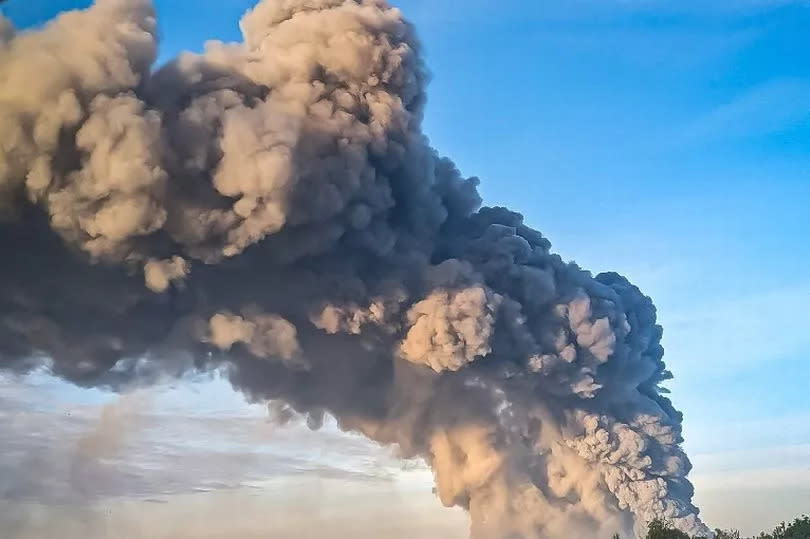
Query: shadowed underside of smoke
{"x": 273, "y": 206}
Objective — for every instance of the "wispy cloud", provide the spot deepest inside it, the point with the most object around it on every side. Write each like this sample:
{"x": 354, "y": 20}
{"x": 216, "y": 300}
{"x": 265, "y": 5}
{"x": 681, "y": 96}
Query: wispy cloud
{"x": 769, "y": 466}
{"x": 707, "y": 6}
{"x": 64, "y": 453}
{"x": 741, "y": 331}
{"x": 302, "y": 508}
{"x": 753, "y": 489}
{"x": 186, "y": 472}
{"x": 450, "y": 10}
{"x": 762, "y": 110}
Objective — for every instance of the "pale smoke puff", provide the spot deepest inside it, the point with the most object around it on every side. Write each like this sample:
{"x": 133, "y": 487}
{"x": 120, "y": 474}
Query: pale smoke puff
{"x": 450, "y": 329}
{"x": 463, "y": 460}
{"x": 382, "y": 311}
{"x": 596, "y": 336}
{"x": 265, "y": 335}
{"x": 160, "y": 274}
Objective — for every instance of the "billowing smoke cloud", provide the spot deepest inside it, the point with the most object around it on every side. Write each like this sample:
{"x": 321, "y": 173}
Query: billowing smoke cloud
{"x": 273, "y": 206}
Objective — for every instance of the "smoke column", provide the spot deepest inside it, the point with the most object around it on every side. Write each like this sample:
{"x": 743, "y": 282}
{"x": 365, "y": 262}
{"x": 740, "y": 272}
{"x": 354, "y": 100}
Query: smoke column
{"x": 273, "y": 208}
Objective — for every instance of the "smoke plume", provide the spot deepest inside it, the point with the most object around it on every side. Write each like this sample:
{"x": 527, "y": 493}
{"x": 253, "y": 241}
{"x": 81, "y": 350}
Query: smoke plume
{"x": 273, "y": 207}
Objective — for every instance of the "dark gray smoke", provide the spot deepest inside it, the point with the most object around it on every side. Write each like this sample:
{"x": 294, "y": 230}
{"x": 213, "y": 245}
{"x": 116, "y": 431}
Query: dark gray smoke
{"x": 273, "y": 206}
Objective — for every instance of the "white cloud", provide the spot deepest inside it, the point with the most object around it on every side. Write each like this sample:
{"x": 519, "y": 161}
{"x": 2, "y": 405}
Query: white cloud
{"x": 304, "y": 507}
{"x": 196, "y": 462}
{"x": 61, "y": 452}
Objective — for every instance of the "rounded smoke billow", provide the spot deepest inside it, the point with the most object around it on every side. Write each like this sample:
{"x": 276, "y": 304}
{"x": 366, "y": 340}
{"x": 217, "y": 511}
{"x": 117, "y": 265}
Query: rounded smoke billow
{"x": 272, "y": 207}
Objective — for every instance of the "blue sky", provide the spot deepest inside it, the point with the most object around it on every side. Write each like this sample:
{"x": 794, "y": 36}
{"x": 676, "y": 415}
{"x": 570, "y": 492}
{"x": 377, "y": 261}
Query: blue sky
{"x": 669, "y": 141}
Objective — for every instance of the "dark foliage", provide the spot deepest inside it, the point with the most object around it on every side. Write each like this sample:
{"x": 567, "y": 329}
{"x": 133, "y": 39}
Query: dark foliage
{"x": 798, "y": 529}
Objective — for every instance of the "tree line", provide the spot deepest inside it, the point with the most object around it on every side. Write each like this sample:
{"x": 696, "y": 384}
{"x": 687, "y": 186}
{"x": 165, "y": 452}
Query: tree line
{"x": 798, "y": 529}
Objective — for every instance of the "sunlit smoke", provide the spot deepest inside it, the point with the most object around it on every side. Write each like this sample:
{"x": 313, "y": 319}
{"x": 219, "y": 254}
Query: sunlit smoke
{"x": 273, "y": 207}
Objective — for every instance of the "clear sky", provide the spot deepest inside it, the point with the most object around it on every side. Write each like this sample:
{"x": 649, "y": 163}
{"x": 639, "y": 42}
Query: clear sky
{"x": 666, "y": 140}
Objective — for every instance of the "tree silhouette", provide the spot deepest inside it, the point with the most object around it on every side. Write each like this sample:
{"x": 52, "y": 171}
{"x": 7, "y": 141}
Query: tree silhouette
{"x": 798, "y": 529}
{"x": 662, "y": 529}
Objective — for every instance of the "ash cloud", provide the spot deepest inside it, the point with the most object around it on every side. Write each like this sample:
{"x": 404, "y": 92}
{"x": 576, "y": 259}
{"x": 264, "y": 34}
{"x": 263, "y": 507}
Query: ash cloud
{"x": 273, "y": 207}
